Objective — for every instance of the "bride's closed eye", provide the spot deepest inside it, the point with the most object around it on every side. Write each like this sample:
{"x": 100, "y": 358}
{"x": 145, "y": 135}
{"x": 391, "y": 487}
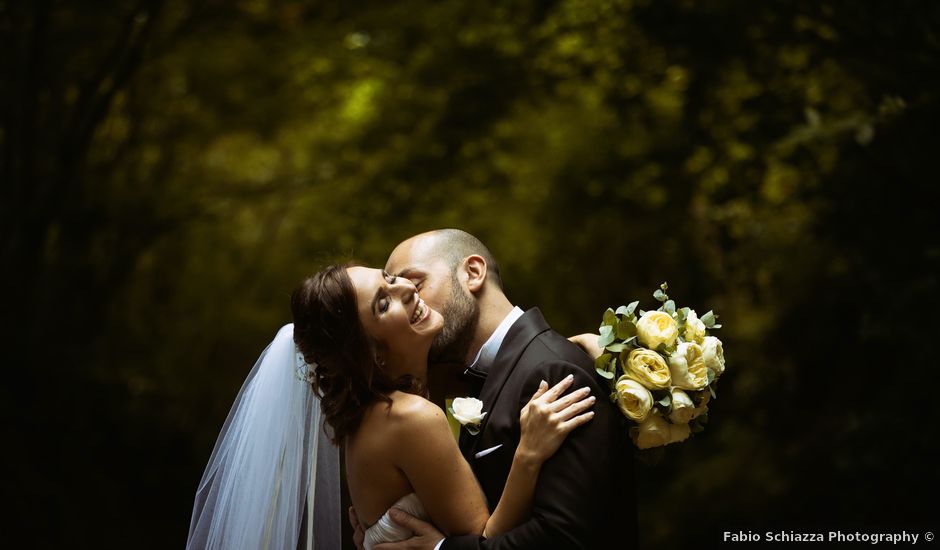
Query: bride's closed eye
{"x": 383, "y": 303}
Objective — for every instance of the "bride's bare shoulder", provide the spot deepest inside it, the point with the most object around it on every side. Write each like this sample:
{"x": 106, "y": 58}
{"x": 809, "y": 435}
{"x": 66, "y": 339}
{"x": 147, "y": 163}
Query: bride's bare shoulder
{"x": 405, "y": 413}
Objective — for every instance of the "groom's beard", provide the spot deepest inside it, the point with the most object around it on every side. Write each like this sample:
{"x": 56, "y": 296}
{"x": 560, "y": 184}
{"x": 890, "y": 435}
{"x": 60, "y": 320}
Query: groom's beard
{"x": 461, "y": 314}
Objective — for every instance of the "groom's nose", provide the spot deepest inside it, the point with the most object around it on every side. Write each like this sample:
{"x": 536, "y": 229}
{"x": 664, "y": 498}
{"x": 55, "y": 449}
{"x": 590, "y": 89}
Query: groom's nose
{"x": 405, "y": 289}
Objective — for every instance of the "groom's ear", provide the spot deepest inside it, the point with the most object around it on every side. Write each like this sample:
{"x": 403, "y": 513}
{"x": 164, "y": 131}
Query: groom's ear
{"x": 475, "y": 267}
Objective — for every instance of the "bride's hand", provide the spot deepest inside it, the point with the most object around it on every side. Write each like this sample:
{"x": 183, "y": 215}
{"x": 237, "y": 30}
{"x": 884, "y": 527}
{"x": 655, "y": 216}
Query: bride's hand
{"x": 547, "y": 419}
{"x": 588, "y": 342}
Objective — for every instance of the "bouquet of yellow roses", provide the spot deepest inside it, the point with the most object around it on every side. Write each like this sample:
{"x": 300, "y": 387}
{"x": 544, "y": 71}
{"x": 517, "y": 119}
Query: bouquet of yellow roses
{"x": 661, "y": 366}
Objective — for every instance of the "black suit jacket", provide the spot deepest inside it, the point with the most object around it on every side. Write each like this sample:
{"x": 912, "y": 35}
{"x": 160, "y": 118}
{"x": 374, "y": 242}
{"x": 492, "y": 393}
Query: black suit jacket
{"x": 586, "y": 494}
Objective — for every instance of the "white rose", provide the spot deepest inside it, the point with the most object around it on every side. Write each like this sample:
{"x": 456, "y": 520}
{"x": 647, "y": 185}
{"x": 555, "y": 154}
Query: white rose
{"x": 634, "y": 400}
{"x": 468, "y": 410}
{"x": 655, "y": 328}
{"x": 694, "y": 328}
{"x": 713, "y": 355}
{"x": 683, "y": 410}
{"x": 687, "y": 368}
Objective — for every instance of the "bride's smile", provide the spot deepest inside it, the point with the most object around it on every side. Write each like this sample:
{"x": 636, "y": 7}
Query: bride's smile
{"x": 396, "y": 318}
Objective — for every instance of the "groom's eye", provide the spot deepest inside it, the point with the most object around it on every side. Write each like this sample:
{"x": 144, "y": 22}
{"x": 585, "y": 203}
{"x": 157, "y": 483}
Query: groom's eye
{"x": 383, "y": 305}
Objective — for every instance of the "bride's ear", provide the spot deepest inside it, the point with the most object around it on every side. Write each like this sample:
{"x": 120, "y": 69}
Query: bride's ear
{"x": 475, "y": 266}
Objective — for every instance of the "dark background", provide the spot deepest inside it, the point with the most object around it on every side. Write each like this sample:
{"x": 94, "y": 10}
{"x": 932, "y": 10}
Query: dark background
{"x": 170, "y": 170}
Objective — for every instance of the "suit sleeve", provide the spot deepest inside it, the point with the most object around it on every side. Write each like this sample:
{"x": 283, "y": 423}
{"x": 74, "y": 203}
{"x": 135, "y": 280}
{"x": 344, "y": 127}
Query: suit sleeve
{"x": 584, "y": 491}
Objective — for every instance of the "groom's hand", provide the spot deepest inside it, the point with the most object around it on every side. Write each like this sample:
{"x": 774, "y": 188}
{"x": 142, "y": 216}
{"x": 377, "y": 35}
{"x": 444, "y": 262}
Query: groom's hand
{"x": 426, "y": 536}
{"x": 358, "y": 534}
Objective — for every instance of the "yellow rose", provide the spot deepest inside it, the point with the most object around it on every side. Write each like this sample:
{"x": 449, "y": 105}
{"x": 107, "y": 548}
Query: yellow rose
{"x": 648, "y": 368}
{"x": 678, "y": 432}
{"x": 713, "y": 355}
{"x": 688, "y": 368}
{"x": 655, "y": 328}
{"x": 656, "y": 432}
{"x": 703, "y": 404}
{"x": 694, "y": 329}
{"x": 682, "y": 408}
{"x": 652, "y": 432}
{"x": 633, "y": 399}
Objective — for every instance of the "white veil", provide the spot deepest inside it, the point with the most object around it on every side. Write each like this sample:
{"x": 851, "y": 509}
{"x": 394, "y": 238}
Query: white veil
{"x": 272, "y": 464}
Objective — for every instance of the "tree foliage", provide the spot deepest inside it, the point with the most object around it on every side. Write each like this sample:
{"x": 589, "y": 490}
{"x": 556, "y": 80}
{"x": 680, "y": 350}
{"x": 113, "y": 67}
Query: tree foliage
{"x": 172, "y": 168}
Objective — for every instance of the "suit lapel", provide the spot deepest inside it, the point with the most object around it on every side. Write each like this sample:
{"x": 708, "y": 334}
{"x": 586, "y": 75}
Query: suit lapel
{"x": 520, "y": 335}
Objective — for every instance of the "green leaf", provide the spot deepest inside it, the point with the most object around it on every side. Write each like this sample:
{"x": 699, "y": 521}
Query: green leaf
{"x": 625, "y": 329}
{"x": 605, "y": 374}
{"x": 606, "y": 337}
{"x": 709, "y": 319}
{"x": 610, "y": 318}
{"x": 669, "y": 307}
{"x": 631, "y": 307}
{"x": 711, "y": 375}
{"x": 622, "y": 310}
{"x": 616, "y": 348}
{"x": 683, "y": 313}
{"x": 474, "y": 430}
{"x": 664, "y": 286}
{"x": 715, "y": 326}
{"x": 712, "y": 391}
{"x": 660, "y": 295}
{"x": 666, "y": 401}
{"x": 606, "y": 366}
{"x": 602, "y": 360}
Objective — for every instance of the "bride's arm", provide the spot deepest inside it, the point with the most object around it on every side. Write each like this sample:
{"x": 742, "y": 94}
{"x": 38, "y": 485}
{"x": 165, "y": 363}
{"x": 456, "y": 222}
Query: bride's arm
{"x": 427, "y": 454}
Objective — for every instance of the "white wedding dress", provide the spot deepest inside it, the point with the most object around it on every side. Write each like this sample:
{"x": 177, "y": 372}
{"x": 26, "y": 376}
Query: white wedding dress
{"x": 386, "y": 530}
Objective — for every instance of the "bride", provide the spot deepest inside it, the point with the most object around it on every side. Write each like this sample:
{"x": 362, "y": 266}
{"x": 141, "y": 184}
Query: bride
{"x": 351, "y": 371}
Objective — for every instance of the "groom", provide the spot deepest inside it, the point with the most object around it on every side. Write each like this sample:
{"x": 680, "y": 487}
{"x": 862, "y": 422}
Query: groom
{"x": 585, "y": 496}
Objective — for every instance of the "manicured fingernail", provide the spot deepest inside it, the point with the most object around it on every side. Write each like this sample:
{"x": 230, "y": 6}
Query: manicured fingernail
{"x": 569, "y": 377}
{"x": 592, "y": 399}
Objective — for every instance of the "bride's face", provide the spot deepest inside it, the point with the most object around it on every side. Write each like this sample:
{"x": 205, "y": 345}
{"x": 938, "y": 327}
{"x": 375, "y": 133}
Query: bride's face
{"x": 394, "y": 315}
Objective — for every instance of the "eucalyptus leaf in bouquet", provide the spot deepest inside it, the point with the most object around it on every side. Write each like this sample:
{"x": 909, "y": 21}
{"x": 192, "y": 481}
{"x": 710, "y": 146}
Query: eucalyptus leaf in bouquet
{"x": 661, "y": 366}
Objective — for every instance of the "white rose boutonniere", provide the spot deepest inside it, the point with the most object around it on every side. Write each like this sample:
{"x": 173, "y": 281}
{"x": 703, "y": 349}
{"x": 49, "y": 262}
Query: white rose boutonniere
{"x": 469, "y": 412}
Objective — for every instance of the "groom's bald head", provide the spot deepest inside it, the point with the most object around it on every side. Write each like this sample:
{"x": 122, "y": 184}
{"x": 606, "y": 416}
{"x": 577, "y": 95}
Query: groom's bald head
{"x": 439, "y": 263}
{"x": 452, "y": 246}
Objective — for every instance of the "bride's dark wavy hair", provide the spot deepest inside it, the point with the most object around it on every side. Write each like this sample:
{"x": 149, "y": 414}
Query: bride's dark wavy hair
{"x": 328, "y": 332}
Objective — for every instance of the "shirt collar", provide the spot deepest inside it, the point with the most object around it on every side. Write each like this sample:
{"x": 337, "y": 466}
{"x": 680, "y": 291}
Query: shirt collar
{"x": 487, "y": 354}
